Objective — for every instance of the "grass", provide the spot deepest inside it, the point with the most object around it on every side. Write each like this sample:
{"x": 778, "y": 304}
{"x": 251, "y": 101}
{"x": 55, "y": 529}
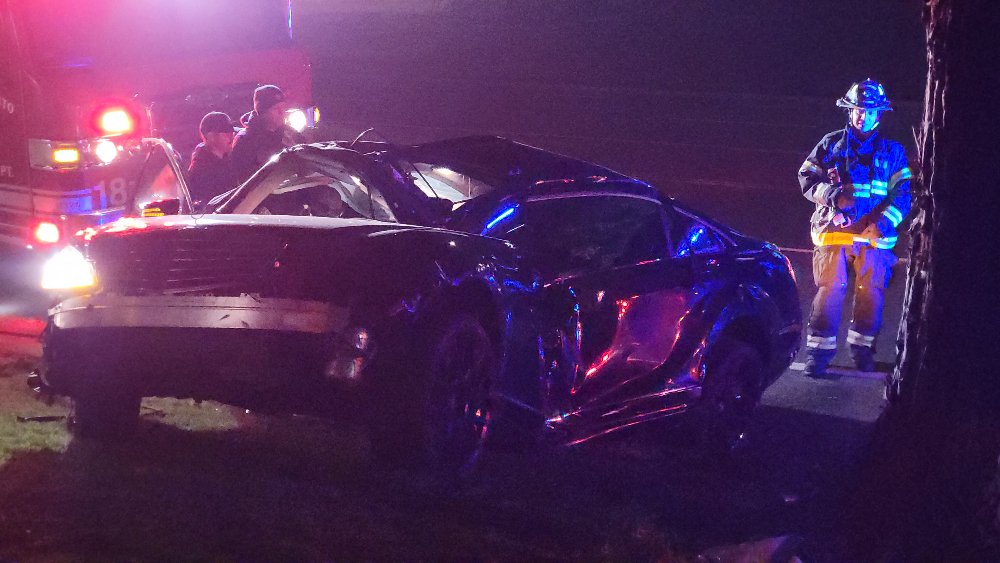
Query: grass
{"x": 30, "y": 422}
{"x": 207, "y": 481}
{"x": 210, "y": 482}
{"x": 17, "y": 402}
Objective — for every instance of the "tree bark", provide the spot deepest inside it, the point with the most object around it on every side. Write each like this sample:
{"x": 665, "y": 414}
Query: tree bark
{"x": 932, "y": 487}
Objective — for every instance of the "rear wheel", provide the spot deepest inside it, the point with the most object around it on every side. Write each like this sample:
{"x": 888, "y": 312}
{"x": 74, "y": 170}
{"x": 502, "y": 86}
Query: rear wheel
{"x": 444, "y": 420}
{"x": 733, "y": 386}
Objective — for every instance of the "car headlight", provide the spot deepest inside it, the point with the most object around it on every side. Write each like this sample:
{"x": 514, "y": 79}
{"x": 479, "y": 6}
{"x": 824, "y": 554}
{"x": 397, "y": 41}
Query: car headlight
{"x": 68, "y": 269}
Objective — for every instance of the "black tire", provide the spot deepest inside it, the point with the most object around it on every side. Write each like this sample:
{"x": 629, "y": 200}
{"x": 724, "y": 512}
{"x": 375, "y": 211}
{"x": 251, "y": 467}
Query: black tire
{"x": 733, "y": 386}
{"x": 106, "y": 417}
{"x": 444, "y": 418}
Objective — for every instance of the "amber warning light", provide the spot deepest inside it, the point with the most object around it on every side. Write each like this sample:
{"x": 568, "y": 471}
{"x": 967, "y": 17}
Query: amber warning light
{"x": 66, "y": 155}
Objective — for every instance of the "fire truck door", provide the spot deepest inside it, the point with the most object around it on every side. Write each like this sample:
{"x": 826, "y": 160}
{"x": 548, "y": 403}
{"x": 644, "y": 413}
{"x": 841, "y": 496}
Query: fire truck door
{"x": 13, "y": 146}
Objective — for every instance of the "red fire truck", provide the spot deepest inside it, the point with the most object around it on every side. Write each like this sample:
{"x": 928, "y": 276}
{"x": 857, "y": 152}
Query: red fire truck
{"x": 81, "y": 83}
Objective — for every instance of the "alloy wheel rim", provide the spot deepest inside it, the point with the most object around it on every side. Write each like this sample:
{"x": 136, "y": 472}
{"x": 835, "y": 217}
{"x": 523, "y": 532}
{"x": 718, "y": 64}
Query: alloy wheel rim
{"x": 466, "y": 408}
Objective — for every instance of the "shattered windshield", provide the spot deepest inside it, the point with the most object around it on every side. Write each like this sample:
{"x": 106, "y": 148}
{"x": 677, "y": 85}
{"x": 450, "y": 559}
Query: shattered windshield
{"x": 320, "y": 188}
{"x": 79, "y": 34}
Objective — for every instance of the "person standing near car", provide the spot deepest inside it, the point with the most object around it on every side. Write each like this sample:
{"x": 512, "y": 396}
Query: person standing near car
{"x": 860, "y": 182}
{"x": 211, "y": 171}
{"x": 265, "y": 134}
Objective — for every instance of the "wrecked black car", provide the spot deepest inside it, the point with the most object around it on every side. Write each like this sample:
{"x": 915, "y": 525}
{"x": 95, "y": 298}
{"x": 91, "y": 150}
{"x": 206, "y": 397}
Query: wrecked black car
{"x": 449, "y": 294}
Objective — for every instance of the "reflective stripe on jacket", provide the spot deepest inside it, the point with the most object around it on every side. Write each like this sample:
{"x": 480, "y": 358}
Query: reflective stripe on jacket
{"x": 876, "y": 173}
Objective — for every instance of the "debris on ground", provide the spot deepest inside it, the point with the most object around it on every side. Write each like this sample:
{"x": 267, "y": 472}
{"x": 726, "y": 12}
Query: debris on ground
{"x": 47, "y": 418}
{"x": 780, "y": 549}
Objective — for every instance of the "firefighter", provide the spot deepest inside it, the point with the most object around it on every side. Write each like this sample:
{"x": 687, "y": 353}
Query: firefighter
{"x": 266, "y": 133}
{"x": 211, "y": 170}
{"x": 860, "y": 183}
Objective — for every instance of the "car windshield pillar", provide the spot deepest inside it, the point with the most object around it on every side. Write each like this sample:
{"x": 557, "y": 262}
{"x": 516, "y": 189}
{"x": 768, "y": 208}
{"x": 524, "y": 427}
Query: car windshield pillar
{"x": 248, "y": 196}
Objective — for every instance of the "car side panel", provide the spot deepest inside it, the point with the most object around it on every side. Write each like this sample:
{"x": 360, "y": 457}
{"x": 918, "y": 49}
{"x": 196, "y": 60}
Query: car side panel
{"x": 644, "y": 334}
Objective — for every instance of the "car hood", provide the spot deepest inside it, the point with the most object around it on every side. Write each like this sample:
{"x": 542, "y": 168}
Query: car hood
{"x": 504, "y": 163}
{"x": 174, "y": 223}
{"x": 314, "y": 258}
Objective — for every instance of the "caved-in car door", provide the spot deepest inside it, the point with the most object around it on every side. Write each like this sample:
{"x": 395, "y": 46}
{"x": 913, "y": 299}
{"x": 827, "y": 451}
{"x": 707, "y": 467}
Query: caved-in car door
{"x": 612, "y": 251}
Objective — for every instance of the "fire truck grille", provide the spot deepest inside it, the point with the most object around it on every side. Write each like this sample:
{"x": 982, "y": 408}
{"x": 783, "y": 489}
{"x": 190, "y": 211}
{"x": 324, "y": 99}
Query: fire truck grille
{"x": 189, "y": 262}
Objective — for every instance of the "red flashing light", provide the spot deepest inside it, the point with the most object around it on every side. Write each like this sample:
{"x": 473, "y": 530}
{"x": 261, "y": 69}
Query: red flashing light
{"x": 47, "y": 233}
{"x": 114, "y": 121}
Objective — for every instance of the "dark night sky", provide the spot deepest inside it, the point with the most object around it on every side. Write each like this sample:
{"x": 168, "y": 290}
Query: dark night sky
{"x": 767, "y": 47}
{"x": 709, "y": 92}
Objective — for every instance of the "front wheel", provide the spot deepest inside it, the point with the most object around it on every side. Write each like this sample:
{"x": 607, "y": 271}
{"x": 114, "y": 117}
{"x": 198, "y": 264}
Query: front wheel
{"x": 448, "y": 414}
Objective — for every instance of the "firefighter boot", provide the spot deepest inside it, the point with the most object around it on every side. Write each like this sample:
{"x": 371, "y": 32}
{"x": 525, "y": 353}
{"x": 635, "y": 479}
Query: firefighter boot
{"x": 816, "y": 364}
{"x": 863, "y": 357}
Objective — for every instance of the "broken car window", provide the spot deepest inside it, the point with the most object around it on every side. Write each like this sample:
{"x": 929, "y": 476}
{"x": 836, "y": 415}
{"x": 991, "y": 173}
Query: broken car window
{"x": 571, "y": 235}
{"x": 441, "y": 182}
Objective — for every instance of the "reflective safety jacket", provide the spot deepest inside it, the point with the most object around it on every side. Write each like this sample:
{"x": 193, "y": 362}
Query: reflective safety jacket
{"x": 875, "y": 170}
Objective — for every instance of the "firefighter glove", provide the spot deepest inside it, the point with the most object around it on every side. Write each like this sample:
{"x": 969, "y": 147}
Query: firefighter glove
{"x": 844, "y": 199}
{"x": 881, "y": 228}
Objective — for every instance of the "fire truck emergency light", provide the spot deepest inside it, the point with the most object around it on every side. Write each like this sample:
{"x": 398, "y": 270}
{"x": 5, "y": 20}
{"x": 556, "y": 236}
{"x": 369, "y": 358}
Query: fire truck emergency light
{"x": 115, "y": 122}
{"x": 106, "y": 151}
{"x": 297, "y": 120}
{"x": 65, "y": 155}
{"x": 47, "y": 233}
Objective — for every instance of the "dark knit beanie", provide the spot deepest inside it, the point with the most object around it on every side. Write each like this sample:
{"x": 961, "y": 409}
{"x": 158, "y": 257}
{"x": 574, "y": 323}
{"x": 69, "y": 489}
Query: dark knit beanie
{"x": 266, "y": 97}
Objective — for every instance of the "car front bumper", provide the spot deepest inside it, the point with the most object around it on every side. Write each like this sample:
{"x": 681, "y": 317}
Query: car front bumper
{"x": 272, "y": 354}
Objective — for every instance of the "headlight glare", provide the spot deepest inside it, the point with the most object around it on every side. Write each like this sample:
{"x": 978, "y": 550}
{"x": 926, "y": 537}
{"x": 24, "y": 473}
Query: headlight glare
{"x": 106, "y": 151}
{"x": 68, "y": 269}
{"x": 297, "y": 120}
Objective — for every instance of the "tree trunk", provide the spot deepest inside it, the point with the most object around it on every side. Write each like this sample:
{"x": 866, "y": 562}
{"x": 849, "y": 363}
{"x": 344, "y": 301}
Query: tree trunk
{"x": 932, "y": 485}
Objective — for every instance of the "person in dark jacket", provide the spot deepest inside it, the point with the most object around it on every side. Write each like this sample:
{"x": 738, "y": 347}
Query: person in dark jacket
{"x": 266, "y": 133}
{"x": 859, "y": 180}
{"x": 211, "y": 170}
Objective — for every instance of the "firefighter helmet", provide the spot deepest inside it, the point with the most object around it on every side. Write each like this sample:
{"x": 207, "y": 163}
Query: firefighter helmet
{"x": 869, "y": 95}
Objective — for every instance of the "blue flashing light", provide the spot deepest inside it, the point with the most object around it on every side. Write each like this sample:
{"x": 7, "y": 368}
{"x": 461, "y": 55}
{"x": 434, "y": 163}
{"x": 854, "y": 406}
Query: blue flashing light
{"x": 696, "y": 234}
{"x": 514, "y": 284}
{"x": 693, "y": 236}
{"x": 290, "y": 34}
{"x": 107, "y": 218}
{"x": 506, "y": 213}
